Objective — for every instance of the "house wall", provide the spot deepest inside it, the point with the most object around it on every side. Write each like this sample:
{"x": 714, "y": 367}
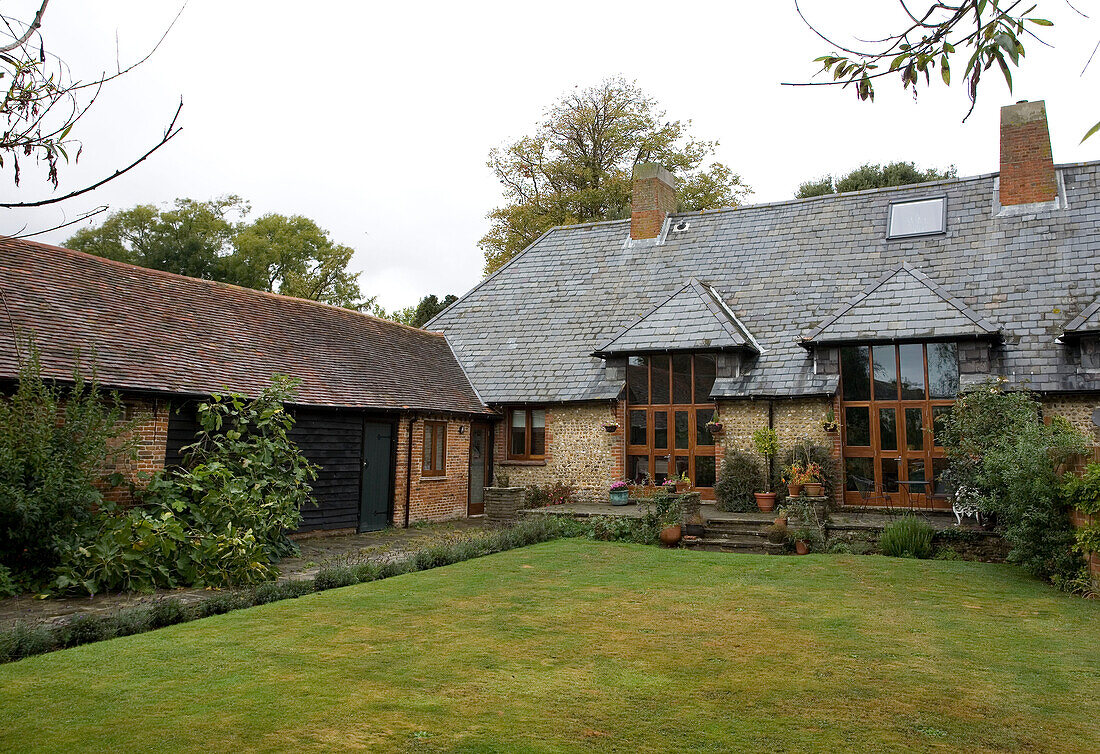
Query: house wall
{"x": 431, "y": 498}
{"x": 579, "y": 451}
{"x": 1078, "y": 409}
{"x": 148, "y": 433}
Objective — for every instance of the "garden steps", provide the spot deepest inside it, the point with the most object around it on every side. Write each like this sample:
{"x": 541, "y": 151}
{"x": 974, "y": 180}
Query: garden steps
{"x": 731, "y": 532}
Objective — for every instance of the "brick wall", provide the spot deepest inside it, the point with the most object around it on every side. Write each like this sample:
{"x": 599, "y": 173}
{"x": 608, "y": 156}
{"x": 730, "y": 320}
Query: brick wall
{"x": 653, "y": 196}
{"x": 579, "y": 451}
{"x": 1027, "y": 164}
{"x": 149, "y": 435}
{"x": 432, "y": 498}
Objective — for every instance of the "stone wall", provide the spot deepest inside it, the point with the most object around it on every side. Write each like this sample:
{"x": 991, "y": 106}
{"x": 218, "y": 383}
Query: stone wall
{"x": 1078, "y": 409}
{"x": 967, "y": 544}
{"x": 432, "y": 498}
{"x": 502, "y": 504}
{"x": 579, "y": 451}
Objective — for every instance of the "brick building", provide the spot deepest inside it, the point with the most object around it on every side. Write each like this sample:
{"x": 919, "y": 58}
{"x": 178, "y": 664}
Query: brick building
{"x": 880, "y": 305}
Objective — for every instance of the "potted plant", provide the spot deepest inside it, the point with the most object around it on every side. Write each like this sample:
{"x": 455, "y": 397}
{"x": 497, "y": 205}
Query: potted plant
{"x": 794, "y": 476}
{"x": 620, "y": 493}
{"x": 767, "y": 444}
{"x": 611, "y": 426}
{"x": 801, "y": 542}
{"x": 829, "y": 423}
{"x": 781, "y": 516}
{"x": 714, "y": 426}
{"x": 814, "y": 483}
{"x": 777, "y": 536}
{"x": 680, "y": 483}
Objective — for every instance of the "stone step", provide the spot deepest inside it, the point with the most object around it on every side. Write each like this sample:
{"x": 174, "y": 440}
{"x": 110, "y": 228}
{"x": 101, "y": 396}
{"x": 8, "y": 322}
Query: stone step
{"x": 730, "y": 527}
{"x": 713, "y": 544}
{"x": 748, "y": 539}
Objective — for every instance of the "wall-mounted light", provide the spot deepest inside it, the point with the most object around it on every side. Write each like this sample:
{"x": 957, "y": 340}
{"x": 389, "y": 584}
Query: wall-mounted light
{"x": 462, "y": 429}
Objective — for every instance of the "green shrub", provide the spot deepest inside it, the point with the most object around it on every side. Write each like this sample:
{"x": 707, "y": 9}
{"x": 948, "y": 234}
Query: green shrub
{"x": 134, "y": 620}
{"x": 777, "y": 534}
{"x": 55, "y": 444}
{"x": 223, "y": 603}
{"x": 908, "y": 537}
{"x": 558, "y": 493}
{"x": 84, "y": 629}
{"x": 26, "y": 641}
{"x": 334, "y": 577}
{"x": 839, "y": 547}
{"x": 8, "y": 587}
{"x": 365, "y": 572}
{"x": 806, "y": 452}
{"x": 167, "y": 612}
{"x": 738, "y": 479}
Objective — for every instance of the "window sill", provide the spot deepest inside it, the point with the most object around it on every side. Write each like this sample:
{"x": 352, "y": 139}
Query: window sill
{"x": 522, "y": 463}
{"x": 434, "y": 478}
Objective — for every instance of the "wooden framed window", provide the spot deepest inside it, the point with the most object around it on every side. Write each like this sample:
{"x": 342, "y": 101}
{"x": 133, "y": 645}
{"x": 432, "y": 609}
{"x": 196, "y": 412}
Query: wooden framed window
{"x": 526, "y": 434}
{"x": 435, "y": 449}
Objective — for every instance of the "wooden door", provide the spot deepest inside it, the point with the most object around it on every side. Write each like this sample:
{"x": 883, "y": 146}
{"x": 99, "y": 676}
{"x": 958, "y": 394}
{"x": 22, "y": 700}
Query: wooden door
{"x": 376, "y": 488}
{"x": 480, "y": 450}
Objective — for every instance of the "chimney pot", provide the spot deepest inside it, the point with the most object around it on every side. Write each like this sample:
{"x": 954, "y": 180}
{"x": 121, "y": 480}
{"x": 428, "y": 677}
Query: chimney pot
{"x": 1027, "y": 164}
{"x": 652, "y": 198}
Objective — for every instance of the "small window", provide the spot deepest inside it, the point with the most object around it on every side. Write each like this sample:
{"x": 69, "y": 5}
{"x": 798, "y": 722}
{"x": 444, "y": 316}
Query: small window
{"x": 527, "y": 434}
{"x": 920, "y": 218}
{"x": 435, "y": 448}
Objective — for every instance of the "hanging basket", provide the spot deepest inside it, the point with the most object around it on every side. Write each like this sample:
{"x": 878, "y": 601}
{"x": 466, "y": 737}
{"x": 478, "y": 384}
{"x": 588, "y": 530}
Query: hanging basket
{"x": 611, "y": 426}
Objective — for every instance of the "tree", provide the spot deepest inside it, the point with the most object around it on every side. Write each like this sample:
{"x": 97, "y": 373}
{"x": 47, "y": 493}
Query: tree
{"x": 577, "y": 166}
{"x": 872, "y": 176}
{"x": 288, "y": 255}
{"x": 43, "y": 102}
{"x": 984, "y": 33}
{"x": 419, "y": 315}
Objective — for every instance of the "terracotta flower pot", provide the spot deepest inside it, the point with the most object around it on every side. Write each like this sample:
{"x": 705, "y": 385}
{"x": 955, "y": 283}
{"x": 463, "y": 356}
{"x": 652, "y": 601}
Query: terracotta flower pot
{"x": 793, "y": 490}
{"x": 815, "y": 489}
{"x": 765, "y": 501}
{"x": 670, "y": 535}
{"x": 801, "y": 547}
{"x": 780, "y": 521}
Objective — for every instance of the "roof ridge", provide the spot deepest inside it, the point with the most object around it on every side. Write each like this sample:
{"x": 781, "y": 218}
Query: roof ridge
{"x": 210, "y": 283}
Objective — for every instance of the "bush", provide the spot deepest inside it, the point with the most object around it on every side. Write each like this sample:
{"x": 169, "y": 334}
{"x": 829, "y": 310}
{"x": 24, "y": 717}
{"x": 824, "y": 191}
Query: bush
{"x": 739, "y": 478}
{"x": 84, "y": 629}
{"x": 55, "y": 442}
{"x": 777, "y": 534}
{"x": 223, "y": 603}
{"x": 135, "y": 620}
{"x": 334, "y": 577}
{"x": 1006, "y": 460}
{"x": 26, "y": 641}
{"x": 839, "y": 548}
{"x": 8, "y": 587}
{"x": 167, "y": 612}
{"x": 908, "y": 537}
{"x": 558, "y": 493}
{"x": 806, "y": 452}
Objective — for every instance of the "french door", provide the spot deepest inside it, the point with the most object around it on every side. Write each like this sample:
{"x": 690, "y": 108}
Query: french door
{"x": 892, "y": 397}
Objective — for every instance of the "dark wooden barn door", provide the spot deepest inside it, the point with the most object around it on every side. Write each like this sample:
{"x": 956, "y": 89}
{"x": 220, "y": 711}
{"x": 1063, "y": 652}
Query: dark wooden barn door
{"x": 375, "y": 487}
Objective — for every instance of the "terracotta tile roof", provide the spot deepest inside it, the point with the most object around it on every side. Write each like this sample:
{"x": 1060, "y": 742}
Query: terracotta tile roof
{"x": 152, "y": 330}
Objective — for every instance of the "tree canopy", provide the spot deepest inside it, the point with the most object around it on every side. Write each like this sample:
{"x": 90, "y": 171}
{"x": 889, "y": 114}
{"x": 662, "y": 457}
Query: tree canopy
{"x": 211, "y": 240}
{"x": 576, "y": 167}
{"x": 422, "y": 313}
{"x": 872, "y": 176}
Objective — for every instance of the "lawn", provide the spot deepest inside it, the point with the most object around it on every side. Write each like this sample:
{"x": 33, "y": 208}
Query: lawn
{"x": 582, "y": 646}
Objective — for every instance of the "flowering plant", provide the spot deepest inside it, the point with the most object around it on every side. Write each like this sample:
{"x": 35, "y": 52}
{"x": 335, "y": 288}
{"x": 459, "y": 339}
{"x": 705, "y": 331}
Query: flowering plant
{"x": 794, "y": 474}
{"x": 618, "y": 486}
{"x": 814, "y": 474}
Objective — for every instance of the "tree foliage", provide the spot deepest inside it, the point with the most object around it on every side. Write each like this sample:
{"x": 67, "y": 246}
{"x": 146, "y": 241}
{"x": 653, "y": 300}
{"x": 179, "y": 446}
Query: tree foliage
{"x": 423, "y": 312}
{"x": 974, "y": 35}
{"x": 871, "y": 176}
{"x": 576, "y": 167}
{"x": 211, "y": 240}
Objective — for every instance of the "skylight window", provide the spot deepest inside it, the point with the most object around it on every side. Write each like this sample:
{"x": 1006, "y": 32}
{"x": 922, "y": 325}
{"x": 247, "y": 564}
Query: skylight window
{"x": 920, "y": 218}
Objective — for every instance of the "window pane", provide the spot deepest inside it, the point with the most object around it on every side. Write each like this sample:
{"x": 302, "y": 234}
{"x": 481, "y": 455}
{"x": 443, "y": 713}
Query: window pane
{"x": 916, "y": 218}
{"x": 916, "y": 477}
{"x": 939, "y": 413}
{"x": 660, "y": 380}
{"x": 887, "y": 429}
{"x": 660, "y": 429}
{"x": 914, "y": 428}
{"x": 637, "y": 428}
{"x": 939, "y": 465}
{"x": 857, "y": 425}
{"x": 538, "y": 432}
{"x": 912, "y": 372}
{"x": 429, "y": 431}
{"x": 943, "y": 370}
{"x": 440, "y": 447}
{"x": 637, "y": 469}
{"x": 704, "y": 471}
{"x": 637, "y": 380}
{"x": 889, "y": 468}
{"x": 705, "y": 371}
{"x": 681, "y": 378}
{"x": 519, "y": 433}
{"x": 886, "y": 373}
{"x": 859, "y": 474}
{"x": 702, "y": 436}
{"x": 682, "y": 434}
{"x": 855, "y": 366}
{"x": 680, "y": 467}
{"x": 660, "y": 469}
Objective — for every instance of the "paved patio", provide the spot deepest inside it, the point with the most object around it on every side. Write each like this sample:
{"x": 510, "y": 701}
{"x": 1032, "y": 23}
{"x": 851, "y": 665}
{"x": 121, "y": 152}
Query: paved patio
{"x": 316, "y": 552}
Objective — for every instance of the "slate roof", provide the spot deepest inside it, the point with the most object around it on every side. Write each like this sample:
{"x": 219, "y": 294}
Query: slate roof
{"x": 1087, "y": 321}
{"x": 528, "y": 332}
{"x": 692, "y": 319}
{"x": 905, "y": 304}
{"x": 155, "y": 331}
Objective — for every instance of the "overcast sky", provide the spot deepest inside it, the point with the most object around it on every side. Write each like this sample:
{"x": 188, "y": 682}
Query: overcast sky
{"x": 375, "y": 119}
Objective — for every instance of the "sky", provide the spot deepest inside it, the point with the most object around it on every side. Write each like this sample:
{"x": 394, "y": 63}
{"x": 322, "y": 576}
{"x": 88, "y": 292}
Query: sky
{"x": 376, "y": 119}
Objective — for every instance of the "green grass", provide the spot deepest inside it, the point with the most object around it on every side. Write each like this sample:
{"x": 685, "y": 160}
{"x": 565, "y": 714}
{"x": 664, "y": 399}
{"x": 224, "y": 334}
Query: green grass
{"x": 582, "y": 646}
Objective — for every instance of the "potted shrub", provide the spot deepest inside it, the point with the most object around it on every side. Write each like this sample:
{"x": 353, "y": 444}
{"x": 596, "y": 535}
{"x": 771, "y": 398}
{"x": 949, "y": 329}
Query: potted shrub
{"x": 781, "y": 516}
{"x": 670, "y": 535}
{"x": 777, "y": 536}
{"x": 620, "y": 493}
{"x": 714, "y": 426}
{"x": 794, "y": 476}
{"x": 814, "y": 480}
{"x": 801, "y": 542}
{"x": 829, "y": 423}
{"x": 767, "y": 444}
{"x": 680, "y": 483}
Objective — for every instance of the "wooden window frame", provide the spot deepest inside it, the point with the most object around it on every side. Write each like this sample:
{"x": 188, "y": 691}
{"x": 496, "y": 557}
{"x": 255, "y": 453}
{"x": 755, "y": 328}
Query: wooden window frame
{"x": 437, "y": 431}
{"x": 527, "y": 427}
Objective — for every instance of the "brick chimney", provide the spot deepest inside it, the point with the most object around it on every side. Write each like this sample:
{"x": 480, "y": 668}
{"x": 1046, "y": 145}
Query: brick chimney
{"x": 1027, "y": 165}
{"x": 654, "y": 196}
